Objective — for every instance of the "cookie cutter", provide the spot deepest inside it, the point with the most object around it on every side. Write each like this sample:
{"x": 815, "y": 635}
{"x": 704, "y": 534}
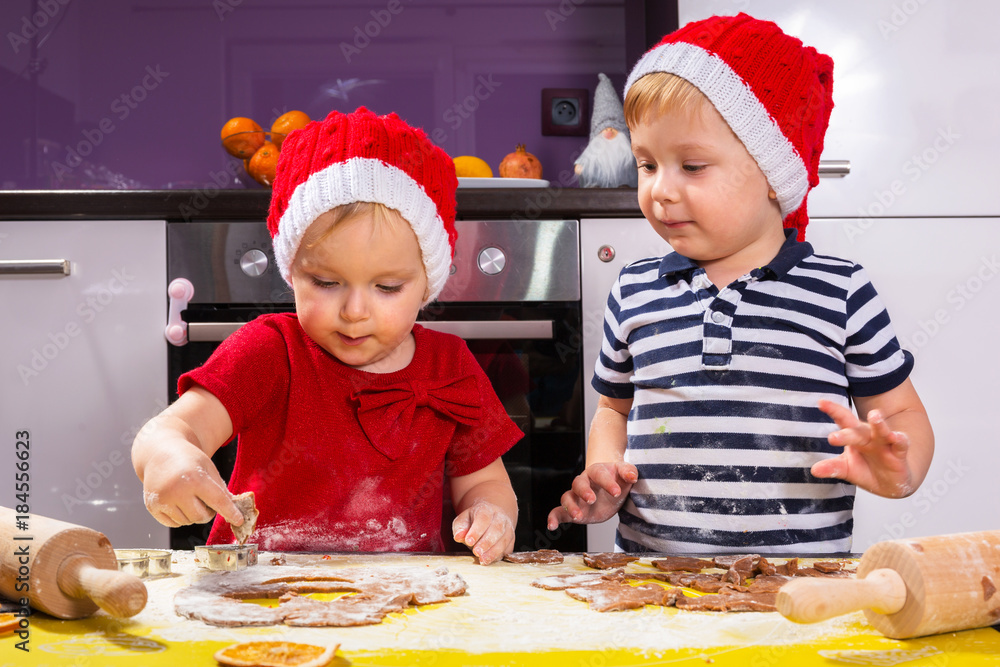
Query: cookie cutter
{"x": 225, "y": 556}
{"x": 144, "y": 562}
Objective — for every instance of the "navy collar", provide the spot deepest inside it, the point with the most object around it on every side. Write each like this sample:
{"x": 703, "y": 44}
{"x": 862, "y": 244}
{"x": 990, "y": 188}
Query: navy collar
{"x": 791, "y": 253}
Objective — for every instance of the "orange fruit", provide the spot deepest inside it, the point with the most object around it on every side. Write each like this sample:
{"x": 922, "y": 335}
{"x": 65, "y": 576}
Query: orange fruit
{"x": 8, "y": 623}
{"x": 264, "y": 163}
{"x": 275, "y": 654}
{"x": 285, "y": 123}
{"x": 469, "y": 166}
{"x": 241, "y": 137}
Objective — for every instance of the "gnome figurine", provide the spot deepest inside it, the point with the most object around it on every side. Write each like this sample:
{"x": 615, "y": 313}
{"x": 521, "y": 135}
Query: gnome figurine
{"x": 607, "y": 161}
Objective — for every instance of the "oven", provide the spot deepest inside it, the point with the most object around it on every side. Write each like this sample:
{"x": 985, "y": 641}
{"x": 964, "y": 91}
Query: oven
{"x": 513, "y": 296}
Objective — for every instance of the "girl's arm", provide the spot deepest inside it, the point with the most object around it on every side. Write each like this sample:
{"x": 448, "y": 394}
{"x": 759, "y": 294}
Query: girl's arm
{"x": 487, "y": 512}
{"x": 172, "y": 455}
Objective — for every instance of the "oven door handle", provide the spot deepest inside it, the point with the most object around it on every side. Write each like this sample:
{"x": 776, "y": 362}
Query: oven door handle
{"x": 469, "y": 330}
{"x": 495, "y": 329}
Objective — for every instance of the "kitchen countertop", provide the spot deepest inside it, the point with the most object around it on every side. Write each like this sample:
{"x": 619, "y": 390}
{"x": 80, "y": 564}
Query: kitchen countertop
{"x": 501, "y": 620}
{"x": 214, "y": 204}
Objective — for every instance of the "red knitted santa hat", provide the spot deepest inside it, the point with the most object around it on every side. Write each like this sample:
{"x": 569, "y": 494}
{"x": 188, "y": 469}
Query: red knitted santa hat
{"x": 358, "y": 157}
{"x": 775, "y": 94}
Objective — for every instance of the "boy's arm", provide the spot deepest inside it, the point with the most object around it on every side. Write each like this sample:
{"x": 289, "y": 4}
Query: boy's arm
{"x": 600, "y": 490}
{"x": 487, "y": 511}
{"x": 172, "y": 456}
{"x": 889, "y": 453}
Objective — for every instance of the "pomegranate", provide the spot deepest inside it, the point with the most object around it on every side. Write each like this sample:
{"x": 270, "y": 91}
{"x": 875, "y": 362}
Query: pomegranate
{"x": 520, "y": 164}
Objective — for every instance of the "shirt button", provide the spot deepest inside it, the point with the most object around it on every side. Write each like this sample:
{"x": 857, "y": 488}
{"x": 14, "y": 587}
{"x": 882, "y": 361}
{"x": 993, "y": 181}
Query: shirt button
{"x": 718, "y": 317}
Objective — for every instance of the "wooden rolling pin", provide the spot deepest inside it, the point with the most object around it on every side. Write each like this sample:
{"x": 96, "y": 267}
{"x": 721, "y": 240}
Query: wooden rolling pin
{"x": 65, "y": 570}
{"x": 910, "y": 588}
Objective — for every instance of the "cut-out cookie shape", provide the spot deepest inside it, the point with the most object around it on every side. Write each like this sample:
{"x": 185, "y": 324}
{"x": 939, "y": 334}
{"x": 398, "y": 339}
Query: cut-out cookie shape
{"x": 217, "y": 598}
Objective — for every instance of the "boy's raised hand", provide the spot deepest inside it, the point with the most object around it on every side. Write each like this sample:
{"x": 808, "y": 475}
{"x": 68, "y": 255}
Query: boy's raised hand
{"x": 487, "y": 529}
{"x": 596, "y": 494}
{"x": 875, "y": 457}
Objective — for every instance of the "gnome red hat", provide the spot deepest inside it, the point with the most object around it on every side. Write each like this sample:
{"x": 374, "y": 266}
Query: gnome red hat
{"x": 774, "y": 92}
{"x": 356, "y": 157}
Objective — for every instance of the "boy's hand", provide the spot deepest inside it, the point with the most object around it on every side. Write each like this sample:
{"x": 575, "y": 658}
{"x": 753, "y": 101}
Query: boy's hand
{"x": 181, "y": 486}
{"x": 874, "y": 457}
{"x": 486, "y": 529}
{"x": 596, "y": 495}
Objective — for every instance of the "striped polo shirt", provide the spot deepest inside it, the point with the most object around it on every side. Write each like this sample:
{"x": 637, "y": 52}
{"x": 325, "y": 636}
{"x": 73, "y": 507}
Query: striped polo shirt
{"x": 724, "y": 425}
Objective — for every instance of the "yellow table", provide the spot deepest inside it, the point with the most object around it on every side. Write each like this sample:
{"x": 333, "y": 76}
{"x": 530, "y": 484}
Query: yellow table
{"x": 502, "y": 620}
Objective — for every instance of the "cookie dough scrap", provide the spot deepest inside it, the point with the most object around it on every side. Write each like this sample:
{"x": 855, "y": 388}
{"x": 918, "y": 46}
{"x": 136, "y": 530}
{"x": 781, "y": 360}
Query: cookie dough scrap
{"x": 749, "y": 583}
{"x": 543, "y": 556}
{"x": 616, "y": 596}
{"x": 216, "y": 598}
{"x": 607, "y": 561}
{"x": 725, "y": 601}
{"x": 247, "y": 507}
{"x": 681, "y": 564}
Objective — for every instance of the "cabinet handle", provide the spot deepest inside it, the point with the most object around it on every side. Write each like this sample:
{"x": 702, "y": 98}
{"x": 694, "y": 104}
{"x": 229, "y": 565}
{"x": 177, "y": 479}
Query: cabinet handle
{"x": 24, "y": 267}
{"x": 834, "y": 168}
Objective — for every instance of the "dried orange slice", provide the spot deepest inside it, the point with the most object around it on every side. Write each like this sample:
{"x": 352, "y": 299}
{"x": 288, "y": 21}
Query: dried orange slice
{"x": 275, "y": 654}
{"x": 8, "y": 623}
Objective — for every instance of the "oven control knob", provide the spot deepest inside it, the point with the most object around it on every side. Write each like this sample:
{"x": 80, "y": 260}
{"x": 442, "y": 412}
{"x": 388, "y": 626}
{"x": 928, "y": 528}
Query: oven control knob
{"x": 605, "y": 253}
{"x": 253, "y": 262}
{"x": 492, "y": 260}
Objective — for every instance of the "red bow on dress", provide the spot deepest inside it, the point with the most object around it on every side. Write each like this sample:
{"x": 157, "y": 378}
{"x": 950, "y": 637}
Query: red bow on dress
{"x": 386, "y": 413}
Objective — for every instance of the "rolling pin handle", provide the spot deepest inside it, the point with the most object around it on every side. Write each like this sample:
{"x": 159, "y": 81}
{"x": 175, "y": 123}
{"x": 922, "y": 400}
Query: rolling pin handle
{"x": 120, "y": 594}
{"x": 812, "y": 600}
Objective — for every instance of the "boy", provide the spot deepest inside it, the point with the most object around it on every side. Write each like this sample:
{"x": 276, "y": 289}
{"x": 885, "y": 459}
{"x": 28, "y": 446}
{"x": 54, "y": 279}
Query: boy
{"x": 724, "y": 361}
{"x": 372, "y": 412}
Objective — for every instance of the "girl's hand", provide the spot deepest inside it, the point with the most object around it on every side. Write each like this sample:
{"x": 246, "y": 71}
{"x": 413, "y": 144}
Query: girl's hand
{"x": 486, "y": 529}
{"x": 181, "y": 486}
{"x": 596, "y": 495}
{"x": 874, "y": 457}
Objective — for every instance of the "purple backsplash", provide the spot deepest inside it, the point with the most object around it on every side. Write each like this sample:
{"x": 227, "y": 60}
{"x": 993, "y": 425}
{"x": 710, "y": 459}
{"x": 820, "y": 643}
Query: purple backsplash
{"x": 144, "y": 86}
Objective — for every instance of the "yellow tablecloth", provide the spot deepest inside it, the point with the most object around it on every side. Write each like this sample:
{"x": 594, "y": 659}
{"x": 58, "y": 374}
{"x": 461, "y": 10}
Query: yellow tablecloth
{"x": 502, "y": 620}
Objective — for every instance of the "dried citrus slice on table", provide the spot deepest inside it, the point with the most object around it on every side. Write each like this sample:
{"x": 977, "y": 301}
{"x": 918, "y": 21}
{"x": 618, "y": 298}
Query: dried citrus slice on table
{"x": 275, "y": 654}
{"x": 8, "y": 623}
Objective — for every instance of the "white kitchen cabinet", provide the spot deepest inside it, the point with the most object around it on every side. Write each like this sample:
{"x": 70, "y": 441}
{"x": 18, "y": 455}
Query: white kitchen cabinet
{"x": 84, "y": 366}
{"x": 917, "y": 100}
{"x": 606, "y": 246}
{"x": 940, "y": 281}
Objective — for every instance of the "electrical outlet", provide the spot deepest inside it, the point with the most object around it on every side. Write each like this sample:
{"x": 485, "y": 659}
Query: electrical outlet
{"x": 564, "y": 112}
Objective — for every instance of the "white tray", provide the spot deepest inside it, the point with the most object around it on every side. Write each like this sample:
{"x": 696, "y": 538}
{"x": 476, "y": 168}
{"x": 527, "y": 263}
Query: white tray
{"x": 467, "y": 182}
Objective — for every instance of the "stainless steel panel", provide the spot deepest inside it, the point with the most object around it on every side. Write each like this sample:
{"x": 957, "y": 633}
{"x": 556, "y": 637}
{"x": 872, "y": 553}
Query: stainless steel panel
{"x": 541, "y": 261}
{"x": 211, "y": 256}
{"x": 529, "y": 261}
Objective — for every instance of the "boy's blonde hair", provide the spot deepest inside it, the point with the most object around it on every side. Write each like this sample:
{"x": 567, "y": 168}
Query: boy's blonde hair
{"x": 659, "y": 93}
{"x": 774, "y": 93}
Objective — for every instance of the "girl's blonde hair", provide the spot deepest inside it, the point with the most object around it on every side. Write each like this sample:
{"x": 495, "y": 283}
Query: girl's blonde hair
{"x": 381, "y": 215}
{"x": 659, "y": 93}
